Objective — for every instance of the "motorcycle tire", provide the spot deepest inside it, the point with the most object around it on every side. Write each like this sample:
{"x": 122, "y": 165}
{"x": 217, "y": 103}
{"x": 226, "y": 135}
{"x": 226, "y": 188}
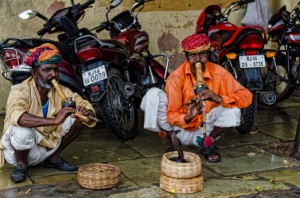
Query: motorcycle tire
{"x": 120, "y": 114}
{"x": 281, "y": 85}
{"x": 248, "y": 116}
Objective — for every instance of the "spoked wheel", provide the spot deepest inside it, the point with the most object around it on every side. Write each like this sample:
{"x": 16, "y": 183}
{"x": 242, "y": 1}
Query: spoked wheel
{"x": 119, "y": 113}
{"x": 278, "y": 81}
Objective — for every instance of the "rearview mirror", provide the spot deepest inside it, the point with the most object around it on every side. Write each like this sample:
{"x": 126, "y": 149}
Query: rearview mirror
{"x": 28, "y": 14}
{"x": 115, "y": 3}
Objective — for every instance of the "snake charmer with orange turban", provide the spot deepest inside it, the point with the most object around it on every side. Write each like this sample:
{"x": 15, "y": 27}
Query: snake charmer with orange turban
{"x": 224, "y": 98}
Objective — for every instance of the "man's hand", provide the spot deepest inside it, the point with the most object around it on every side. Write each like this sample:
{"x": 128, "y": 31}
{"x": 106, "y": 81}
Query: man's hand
{"x": 207, "y": 94}
{"x": 82, "y": 110}
{"x": 193, "y": 107}
{"x": 63, "y": 114}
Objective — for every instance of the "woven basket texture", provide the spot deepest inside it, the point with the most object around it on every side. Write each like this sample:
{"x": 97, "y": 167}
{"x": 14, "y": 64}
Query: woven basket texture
{"x": 191, "y": 168}
{"x": 183, "y": 186}
{"x": 98, "y": 176}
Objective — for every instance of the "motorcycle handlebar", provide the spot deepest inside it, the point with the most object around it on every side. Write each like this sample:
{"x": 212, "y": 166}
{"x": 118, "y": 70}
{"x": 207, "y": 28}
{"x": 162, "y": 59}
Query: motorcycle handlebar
{"x": 102, "y": 27}
{"x": 85, "y": 5}
{"x": 228, "y": 10}
{"x": 43, "y": 31}
{"x": 243, "y": 2}
{"x": 138, "y": 4}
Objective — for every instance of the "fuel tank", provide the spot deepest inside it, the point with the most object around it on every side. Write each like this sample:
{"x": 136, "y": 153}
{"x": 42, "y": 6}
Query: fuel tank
{"x": 293, "y": 35}
{"x": 220, "y": 33}
{"x": 137, "y": 39}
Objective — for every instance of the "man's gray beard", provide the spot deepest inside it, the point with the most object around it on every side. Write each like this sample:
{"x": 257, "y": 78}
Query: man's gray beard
{"x": 45, "y": 85}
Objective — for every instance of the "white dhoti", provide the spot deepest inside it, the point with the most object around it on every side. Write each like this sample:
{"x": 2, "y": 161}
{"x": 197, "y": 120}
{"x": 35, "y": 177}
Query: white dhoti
{"x": 154, "y": 104}
{"x": 21, "y": 138}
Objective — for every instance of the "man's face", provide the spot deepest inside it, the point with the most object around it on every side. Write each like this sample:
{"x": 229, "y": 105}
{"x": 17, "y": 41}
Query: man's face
{"x": 44, "y": 74}
{"x": 194, "y": 57}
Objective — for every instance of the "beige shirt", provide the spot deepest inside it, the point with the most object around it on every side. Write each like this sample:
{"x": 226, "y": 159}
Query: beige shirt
{"x": 25, "y": 97}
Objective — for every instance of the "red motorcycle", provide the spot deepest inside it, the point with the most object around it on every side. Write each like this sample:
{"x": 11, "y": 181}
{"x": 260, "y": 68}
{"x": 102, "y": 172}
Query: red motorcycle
{"x": 284, "y": 69}
{"x": 110, "y": 77}
{"x": 240, "y": 50}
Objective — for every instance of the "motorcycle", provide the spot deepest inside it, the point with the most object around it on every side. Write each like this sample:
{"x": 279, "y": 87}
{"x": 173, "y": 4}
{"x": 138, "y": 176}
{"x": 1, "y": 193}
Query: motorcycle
{"x": 110, "y": 78}
{"x": 13, "y": 67}
{"x": 284, "y": 69}
{"x": 240, "y": 50}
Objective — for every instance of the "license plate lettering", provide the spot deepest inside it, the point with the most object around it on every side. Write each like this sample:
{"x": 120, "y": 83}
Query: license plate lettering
{"x": 244, "y": 65}
{"x": 94, "y": 75}
{"x": 252, "y": 61}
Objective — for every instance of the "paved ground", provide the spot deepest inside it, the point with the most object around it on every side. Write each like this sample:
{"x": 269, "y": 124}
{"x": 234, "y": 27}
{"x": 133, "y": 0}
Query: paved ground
{"x": 246, "y": 170}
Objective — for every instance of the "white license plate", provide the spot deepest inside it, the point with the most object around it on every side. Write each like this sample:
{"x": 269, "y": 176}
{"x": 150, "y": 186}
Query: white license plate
{"x": 252, "y": 61}
{"x": 94, "y": 75}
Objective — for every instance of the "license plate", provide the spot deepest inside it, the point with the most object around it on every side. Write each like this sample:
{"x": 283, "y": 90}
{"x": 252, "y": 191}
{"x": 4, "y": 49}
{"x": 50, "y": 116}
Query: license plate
{"x": 252, "y": 61}
{"x": 94, "y": 75}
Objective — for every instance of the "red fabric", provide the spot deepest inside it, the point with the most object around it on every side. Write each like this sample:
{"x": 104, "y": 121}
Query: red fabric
{"x": 43, "y": 53}
{"x": 208, "y": 141}
{"x": 195, "y": 43}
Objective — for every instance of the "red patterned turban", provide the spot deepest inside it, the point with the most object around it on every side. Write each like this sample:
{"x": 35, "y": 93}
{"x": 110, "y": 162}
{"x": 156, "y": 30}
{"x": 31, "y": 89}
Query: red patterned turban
{"x": 196, "y": 43}
{"x": 44, "y": 54}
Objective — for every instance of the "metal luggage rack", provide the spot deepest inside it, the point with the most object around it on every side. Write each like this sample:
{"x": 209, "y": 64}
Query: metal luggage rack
{"x": 13, "y": 61}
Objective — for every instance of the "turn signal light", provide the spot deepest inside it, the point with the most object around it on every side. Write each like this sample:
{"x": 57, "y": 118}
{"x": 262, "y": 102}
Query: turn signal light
{"x": 270, "y": 54}
{"x": 231, "y": 56}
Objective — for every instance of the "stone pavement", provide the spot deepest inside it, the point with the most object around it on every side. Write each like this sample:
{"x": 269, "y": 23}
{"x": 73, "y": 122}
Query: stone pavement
{"x": 246, "y": 170}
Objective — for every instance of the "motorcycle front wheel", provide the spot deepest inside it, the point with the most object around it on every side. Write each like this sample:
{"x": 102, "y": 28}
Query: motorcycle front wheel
{"x": 119, "y": 113}
{"x": 278, "y": 81}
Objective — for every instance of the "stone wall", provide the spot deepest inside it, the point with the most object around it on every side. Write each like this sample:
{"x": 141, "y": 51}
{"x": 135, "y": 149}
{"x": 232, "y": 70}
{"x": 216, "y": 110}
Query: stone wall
{"x": 166, "y": 21}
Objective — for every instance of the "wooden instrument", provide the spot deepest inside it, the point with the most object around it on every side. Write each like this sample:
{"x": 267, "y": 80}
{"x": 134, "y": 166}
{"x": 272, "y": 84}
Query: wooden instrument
{"x": 200, "y": 86}
{"x": 199, "y": 76}
{"x": 64, "y": 98}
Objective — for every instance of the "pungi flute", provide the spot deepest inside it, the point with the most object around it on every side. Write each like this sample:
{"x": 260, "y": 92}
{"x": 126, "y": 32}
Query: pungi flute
{"x": 200, "y": 86}
{"x": 64, "y": 98}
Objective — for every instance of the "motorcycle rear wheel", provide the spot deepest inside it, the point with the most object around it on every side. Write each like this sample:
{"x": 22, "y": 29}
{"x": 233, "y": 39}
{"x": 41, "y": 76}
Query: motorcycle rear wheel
{"x": 248, "y": 116}
{"x": 279, "y": 82}
{"x": 120, "y": 114}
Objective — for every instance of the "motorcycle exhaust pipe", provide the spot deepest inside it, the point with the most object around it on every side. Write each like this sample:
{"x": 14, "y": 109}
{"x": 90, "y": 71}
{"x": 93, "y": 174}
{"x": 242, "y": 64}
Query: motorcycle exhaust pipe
{"x": 267, "y": 97}
{"x": 131, "y": 90}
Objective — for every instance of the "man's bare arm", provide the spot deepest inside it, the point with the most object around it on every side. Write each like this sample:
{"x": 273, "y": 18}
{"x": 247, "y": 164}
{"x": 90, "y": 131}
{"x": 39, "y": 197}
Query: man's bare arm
{"x": 31, "y": 121}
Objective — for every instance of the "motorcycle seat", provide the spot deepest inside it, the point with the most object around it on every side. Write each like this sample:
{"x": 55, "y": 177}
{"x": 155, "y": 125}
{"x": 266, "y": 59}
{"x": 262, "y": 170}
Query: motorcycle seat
{"x": 119, "y": 44}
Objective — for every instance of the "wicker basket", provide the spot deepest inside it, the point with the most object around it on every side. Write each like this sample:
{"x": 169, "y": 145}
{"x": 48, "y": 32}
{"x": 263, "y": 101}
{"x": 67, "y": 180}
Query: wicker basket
{"x": 191, "y": 168}
{"x": 181, "y": 185}
{"x": 98, "y": 176}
